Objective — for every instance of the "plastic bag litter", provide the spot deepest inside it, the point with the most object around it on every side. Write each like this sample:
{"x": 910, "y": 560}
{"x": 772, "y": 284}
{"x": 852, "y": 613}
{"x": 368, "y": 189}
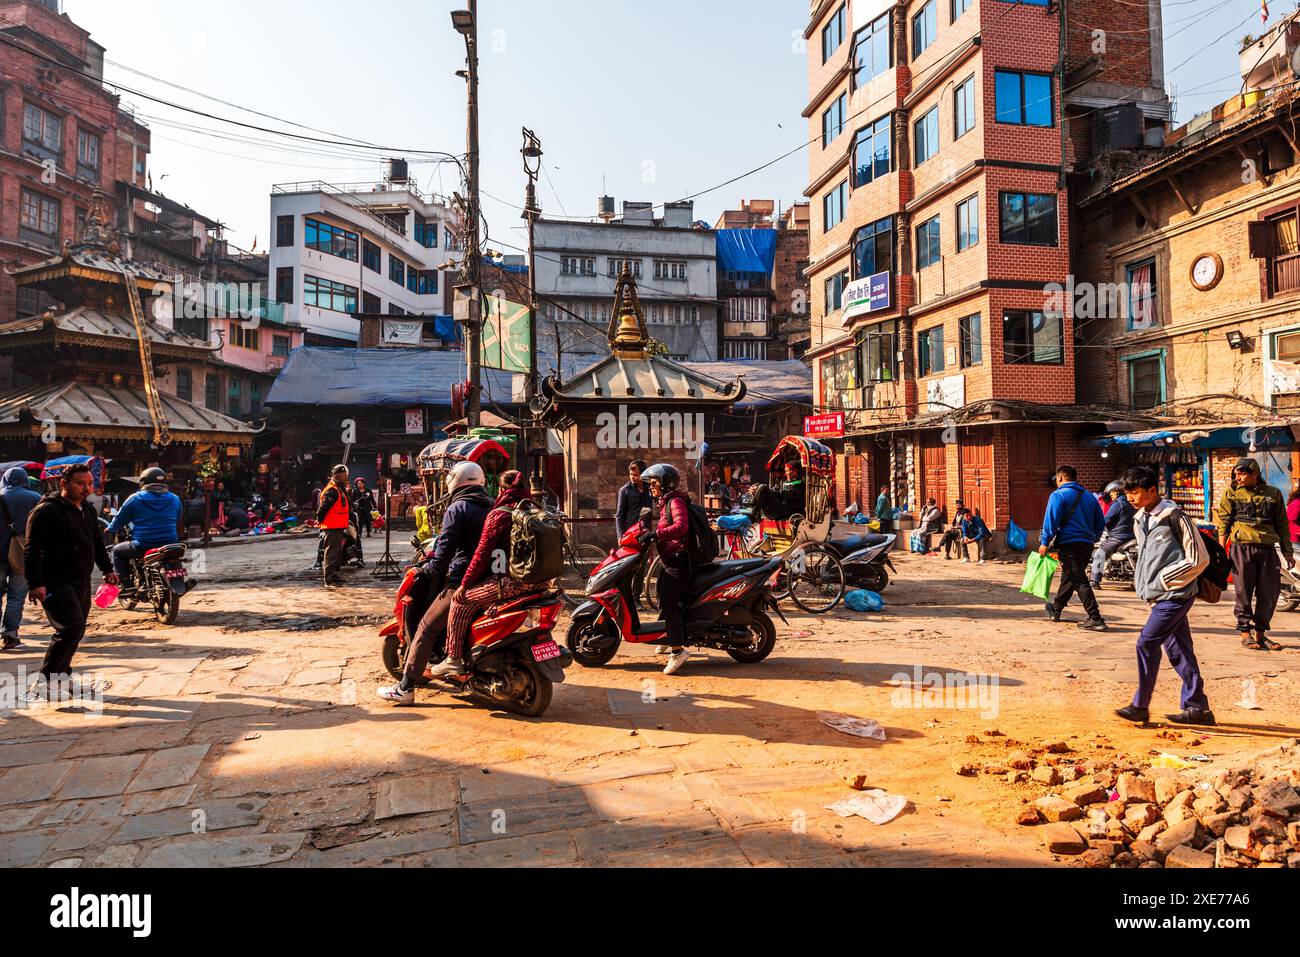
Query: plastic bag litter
{"x": 1016, "y": 537}
{"x": 1039, "y": 572}
{"x": 876, "y": 806}
{"x": 1170, "y": 761}
{"x": 916, "y": 543}
{"x": 863, "y": 600}
{"x": 861, "y": 727}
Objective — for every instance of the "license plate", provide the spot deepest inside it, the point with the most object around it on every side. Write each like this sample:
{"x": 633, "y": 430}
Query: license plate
{"x": 176, "y": 573}
{"x": 546, "y": 651}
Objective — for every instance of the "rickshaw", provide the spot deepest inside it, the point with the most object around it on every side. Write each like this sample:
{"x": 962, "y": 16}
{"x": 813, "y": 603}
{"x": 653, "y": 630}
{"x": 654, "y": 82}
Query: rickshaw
{"x": 434, "y": 464}
{"x": 55, "y": 468}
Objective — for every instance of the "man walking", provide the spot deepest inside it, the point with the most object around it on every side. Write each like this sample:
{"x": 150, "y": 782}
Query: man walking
{"x": 1253, "y": 525}
{"x": 16, "y": 503}
{"x": 334, "y": 515}
{"x": 63, "y": 547}
{"x": 1171, "y": 556}
{"x": 1072, "y": 525}
{"x": 1118, "y": 532}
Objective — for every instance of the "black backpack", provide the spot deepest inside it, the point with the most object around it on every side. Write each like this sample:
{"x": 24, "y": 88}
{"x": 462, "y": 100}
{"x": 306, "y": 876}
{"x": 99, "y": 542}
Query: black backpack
{"x": 701, "y": 540}
{"x": 1220, "y": 567}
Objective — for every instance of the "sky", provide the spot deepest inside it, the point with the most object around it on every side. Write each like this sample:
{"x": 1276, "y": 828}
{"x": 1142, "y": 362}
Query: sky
{"x": 640, "y": 101}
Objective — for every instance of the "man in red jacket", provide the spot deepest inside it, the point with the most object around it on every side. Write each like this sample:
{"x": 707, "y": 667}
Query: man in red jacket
{"x": 670, "y": 536}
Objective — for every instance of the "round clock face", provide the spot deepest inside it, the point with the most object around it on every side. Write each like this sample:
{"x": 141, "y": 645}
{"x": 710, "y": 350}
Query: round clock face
{"x": 1206, "y": 270}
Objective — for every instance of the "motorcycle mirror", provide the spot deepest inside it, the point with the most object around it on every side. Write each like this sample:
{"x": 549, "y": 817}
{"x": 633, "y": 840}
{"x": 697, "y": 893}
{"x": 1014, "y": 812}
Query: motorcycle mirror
{"x": 645, "y": 513}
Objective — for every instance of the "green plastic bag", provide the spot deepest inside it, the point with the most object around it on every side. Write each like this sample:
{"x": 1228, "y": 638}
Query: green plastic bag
{"x": 1039, "y": 572}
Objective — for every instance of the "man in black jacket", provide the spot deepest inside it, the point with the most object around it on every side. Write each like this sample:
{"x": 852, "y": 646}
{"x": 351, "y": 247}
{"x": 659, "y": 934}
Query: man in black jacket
{"x": 64, "y": 545}
{"x": 462, "y": 527}
{"x": 632, "y": 497}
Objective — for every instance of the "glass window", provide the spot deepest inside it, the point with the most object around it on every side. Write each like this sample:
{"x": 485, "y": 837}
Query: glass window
{"x": 959, "y": 7}
{"x": 924, "y": 28}
{"x": 1146, "y": 381}
{"x": 835, "y": 291}
{"x": 328, "y": 238}
{"x": 327, "y": 294}
{"x": 370, "y": 255}
{"x": 873, "y": 248}
{"x": 185, "y": 383}
{"x": 284, "y": 285}
{"x": 87, "y": 154}
{"x": 878, "y": 352}
{"x": 42, "y": 133}
{"x": 426, "y": 233}
{"x": 412, "y": 279}
{"x": 833, "y": 33}
{"x": 833, "y": 120}
{"x": 833, "y": 204}
{"x": 963, "y": 107}
{"x": 1028, "y": 219}
{"x": 927, "y": 243}
{"x": 284, "y": 230}
{"x": 1024, "y": 99}
{"x": 968, "y": 223}
{"x": 971, "y": 329}
{"x": 872, "y": 50}
{"x": 40, "y": 214}
{"x": 929, "y": 351}
{"x": 1032, "y": 338}
{"x": 371, "y": 304}
{"x": 927, "y": 135}
{"x": 396, "y": 270}
{"x": 428, "y": 282}
{"x": 872, "y": 150}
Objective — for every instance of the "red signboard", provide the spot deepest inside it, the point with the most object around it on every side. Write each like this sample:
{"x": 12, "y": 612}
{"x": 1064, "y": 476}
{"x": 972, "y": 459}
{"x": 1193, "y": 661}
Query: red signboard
{"x": 829, "y": 425}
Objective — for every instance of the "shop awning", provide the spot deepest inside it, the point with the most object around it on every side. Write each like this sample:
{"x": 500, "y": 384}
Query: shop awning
{"x": 1246, "y": 435}
{"x": 1161, "y": 437}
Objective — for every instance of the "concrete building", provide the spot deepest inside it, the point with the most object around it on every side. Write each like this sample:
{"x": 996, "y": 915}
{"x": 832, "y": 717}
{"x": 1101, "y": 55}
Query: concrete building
{"x": 339, "y": 250}
{"x": 946, "y": 131}
{"x": 672, "y": 259}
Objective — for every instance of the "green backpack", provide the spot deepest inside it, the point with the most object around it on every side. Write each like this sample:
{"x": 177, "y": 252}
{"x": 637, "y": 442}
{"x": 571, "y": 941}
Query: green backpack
{"x": 536, "y": 544}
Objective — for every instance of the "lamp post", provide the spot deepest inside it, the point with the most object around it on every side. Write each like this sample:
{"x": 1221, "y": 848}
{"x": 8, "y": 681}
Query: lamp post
{"x": 532, "y": 154}
{"x": 466, "y": 24}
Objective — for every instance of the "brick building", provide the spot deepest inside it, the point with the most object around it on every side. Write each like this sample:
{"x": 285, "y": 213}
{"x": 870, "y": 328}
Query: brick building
{"x": 946, "y": 132}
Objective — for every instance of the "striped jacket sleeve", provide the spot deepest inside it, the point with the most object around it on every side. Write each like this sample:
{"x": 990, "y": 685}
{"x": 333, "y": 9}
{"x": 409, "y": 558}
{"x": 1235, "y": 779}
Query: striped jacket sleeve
{"x": 1196, "y": 557}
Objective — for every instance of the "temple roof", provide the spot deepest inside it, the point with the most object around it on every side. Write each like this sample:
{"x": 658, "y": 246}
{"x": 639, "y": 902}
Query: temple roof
{"x": 86, "y": 323}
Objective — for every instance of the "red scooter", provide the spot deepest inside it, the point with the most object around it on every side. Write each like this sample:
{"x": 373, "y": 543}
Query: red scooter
{"x": 513, "y": 659}
{"x": 726, "y": 606}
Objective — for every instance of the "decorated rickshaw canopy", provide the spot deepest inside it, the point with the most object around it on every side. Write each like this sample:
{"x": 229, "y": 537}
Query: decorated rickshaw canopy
{"x": 450, "y": 452}
{"x": 55, "y": 468}
{"x": 813, "y": 456}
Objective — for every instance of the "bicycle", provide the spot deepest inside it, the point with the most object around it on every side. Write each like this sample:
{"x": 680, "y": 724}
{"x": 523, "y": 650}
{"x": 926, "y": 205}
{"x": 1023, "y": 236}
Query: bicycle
{"x": 579, "y": 562}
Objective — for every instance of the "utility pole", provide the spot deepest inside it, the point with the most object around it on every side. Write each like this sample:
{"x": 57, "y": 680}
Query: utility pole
{"x": 466, "y": 24}
{"x": 532, "y": 154}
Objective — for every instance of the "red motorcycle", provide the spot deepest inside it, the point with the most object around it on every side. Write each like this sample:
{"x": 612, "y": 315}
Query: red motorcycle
{"x": 726, "y": 607}
{"x": 514, "y": 661}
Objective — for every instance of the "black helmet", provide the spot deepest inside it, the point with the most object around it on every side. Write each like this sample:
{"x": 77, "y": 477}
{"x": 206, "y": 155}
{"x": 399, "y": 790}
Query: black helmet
{"x": 153, "y": 475}
{"x": 664, "y": 473}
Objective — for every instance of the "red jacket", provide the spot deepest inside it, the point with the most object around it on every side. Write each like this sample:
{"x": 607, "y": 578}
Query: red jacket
{"x": 674, "y": 523}
{"x": 496, "y": 535}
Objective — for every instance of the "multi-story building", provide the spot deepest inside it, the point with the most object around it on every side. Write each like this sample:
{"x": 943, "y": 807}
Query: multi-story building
{"x": 762, "y": 290}
{"x": 672, "y": 258}
{"x": 945, "y": 133}
{"x": 340, "y": 250}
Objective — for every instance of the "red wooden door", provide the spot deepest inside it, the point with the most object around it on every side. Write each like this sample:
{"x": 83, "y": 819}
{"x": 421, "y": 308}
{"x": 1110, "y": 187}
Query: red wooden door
{"x": 1031, "y": 460}
{"x": 977, "y": 471}
{"x": 934, "y": 470}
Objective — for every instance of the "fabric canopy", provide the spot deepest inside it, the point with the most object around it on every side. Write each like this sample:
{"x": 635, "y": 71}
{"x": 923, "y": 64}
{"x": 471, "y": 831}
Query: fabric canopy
{"x": 746, "y": 250}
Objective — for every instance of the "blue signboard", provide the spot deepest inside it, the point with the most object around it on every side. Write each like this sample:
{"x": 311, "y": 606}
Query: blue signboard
{"x": 870, "y": 294}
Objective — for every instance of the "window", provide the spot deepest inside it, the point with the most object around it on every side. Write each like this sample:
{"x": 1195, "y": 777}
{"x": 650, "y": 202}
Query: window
{"x": 833, "y": 33}
{"x": 371, "y": 304}
{"x": 878, "y": 352}
{"x": 42, "y": 133}
{"x": 971, "y": 330}
{"x": 1146, "y": 380}
{"x": 927, "y": 135}
{"x": 665, "y": 269}
{"x": 744, "y": 349}
{"x": 833, "y": 204}
{"x": 280, "y": 345}
{"x": 1029, "y": 219}
{"x": 968, "y": 223}
{"x": 284, "y": 285}
{"x": 633, "y": 266}
{"x": 1032, "y": 338}
{"x": 1023, "y": 98}
{"x": 958, "y": 8}
{"x": 835, "y": 291}
{"x": 872, "y": 151}
{"x": 963, "y": 107}
{"x": 242, "y": 337}
{"x": 426, "y": 233}
{"x": 87, "y": 155}
{"x": 840, "y": 380}
{"x": 327, "y": 294}
{"x": 577, "y": 266}
{"x": 396, "y": 270}
{"x": 395, "y": 310}
{"x": 1141, "y": 295}
{"x": 39, "y": 218}
{"x": 924, "y": 28}
{"x": 370, "y": 256}
{"x": 833, "y": 120}
{"x": 284, "y": 230}
{"x": 929, "y": 351}
{"x": 428, "y": 285}
{"x": 80, "y": 228}
{"x": 927, "y": 243}
{"x": 185, "y": 383}
{"x": 873, "y": 248}
{"x": 196, "y": 327}
{"x": 412, "y": 279}
{"x": 751, "y": 309}
{"x": 331, "y": 239}
{"x": 872, "y": 51}
{"x": 212, "y": 391}
{"x": 233, "y": 404}
{"x": 1274, "y": 240}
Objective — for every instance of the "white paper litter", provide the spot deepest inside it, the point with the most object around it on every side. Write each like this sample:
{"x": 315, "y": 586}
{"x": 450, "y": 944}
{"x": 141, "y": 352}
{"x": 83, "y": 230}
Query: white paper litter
{"x": 876, "y": 806}
{"x": 861, "y": 727}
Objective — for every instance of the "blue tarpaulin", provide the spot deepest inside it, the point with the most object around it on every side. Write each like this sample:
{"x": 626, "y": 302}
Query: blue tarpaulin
{"x": 746, "y": 250}
{"x": 391, "y": 377}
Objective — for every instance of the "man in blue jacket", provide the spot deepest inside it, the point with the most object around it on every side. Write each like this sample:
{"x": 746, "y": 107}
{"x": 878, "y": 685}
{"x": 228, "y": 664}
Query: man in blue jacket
{"x": 154, "y": 514}
{"x": 1072, "y": 526}
{"x": 16, "y": 502}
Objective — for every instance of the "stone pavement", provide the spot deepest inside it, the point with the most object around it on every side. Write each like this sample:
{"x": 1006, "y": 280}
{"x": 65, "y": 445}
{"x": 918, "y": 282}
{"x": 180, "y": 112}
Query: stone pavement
{"x": 249, "y": 735}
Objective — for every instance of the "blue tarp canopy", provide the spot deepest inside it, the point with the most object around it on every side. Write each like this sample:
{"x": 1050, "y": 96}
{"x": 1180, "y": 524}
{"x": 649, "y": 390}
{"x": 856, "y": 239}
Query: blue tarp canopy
{"x": 392, "y": 377}
{"x": 1136, "y": 438}
{"x": 1221, "y": 437}
{"x": 746, "y": 250}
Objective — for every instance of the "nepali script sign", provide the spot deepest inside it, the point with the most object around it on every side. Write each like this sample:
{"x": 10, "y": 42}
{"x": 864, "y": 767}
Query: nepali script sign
{"x": 505, "y": 335}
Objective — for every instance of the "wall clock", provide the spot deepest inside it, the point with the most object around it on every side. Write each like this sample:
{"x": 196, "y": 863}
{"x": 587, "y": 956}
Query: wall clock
{"x": 1207, "y": 270}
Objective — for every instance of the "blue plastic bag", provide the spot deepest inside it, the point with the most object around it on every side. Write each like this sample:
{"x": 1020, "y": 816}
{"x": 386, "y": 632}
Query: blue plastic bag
{"x": 1016, "y": 537}
{"x": 916, "y": 543}
{"x": 733, "y": 523}
{"x": 861, "y": 518}
{"x": 863, "y": 600}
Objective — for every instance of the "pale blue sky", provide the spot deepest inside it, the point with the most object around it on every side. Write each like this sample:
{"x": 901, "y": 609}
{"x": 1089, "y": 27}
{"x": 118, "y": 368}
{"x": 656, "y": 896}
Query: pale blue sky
{"x": 660, "y": 99}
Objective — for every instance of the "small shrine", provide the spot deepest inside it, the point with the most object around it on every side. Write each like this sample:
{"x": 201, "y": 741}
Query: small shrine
{"x": 86, "y": 373}
{"x": 635, "y": 404}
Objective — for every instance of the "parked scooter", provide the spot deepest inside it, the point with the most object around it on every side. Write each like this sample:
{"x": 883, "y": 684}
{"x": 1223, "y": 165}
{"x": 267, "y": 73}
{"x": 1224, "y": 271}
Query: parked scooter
{"x": 1290, "y": 595}
{"x": 725, "y": 606}
{"x": 865, "y": 559}
{"x": 514, "y": 659}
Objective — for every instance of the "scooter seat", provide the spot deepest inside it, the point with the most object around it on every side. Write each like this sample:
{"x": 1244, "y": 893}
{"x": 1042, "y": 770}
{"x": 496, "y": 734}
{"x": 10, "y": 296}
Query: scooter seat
{"x": 852, "y": 543}
{"x": 164, "y": 553}
{"x": 715, "y": 572}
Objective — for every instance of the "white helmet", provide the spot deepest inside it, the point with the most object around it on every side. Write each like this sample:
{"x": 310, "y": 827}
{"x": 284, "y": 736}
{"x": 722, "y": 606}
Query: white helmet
{"x": 466, "y": 473}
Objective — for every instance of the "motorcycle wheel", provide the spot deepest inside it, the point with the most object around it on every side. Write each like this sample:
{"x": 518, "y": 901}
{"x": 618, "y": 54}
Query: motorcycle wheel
{"x": 579, "y": 633}
{"x": 166, "y": 606}
{"x": 536, "y": 696}
{"x": 394, "y": 660}
{"x": 875, "y": 578}
{"x": 764, "y": 634}
{"x": 1291, "y": 604}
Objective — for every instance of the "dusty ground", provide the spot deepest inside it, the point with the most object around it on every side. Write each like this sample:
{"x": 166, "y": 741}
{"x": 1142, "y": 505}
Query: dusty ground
{"x": 250, "y": 734}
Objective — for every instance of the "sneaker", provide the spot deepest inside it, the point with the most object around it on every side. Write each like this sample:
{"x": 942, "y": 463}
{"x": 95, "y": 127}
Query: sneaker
{"x": 92, "y": 685}
{"x": 11, "y": 643}
{"x": 1133, "y": 713}
{"x": 982, "y": 562}
{"x": 675, "y": 661}
{"x": 395, "y": 694}
{"x": 1094, "y": 624}
{"x": 1192, "y": 716}
{"x": 448, "y": 668}
{"x": 663, "y": 649}
{"x": 1052, "y": 613}
{"x": 965, "y": 561}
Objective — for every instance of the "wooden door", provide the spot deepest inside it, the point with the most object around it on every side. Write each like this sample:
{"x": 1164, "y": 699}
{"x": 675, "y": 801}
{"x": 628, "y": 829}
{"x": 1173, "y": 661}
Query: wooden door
{"x": 934, "y": 470}
{"x": 1031, "y": 462}
{"x": 977, "y": 471}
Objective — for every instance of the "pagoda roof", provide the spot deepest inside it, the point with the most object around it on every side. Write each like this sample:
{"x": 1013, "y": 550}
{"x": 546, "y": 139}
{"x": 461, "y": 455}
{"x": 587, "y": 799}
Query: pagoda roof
{"x": 88, "y": 261}
{"x": 85, "y": 410}
{"x": 87, "y": 325}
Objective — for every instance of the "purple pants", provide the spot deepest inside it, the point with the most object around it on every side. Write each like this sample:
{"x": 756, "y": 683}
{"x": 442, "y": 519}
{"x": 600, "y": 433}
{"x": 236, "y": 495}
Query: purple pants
{"x": 1167, "y": 629}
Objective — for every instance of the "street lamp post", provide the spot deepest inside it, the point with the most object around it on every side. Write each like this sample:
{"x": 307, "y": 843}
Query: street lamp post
{"x": 532, "y": 154}
{"x": 466, "y": 24}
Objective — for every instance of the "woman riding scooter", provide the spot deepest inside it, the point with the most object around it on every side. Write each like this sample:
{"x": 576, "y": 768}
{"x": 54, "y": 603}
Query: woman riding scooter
{"x": 675, "y": 576}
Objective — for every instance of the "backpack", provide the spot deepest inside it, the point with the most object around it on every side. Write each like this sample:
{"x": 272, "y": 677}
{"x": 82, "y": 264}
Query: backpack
{"x": 1211, "y": 582}
{"x": 701, "y": 540}
{"x": 536, "y": 544}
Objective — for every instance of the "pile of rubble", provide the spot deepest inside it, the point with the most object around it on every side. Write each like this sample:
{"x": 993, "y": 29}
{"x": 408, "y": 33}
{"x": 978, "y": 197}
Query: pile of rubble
{"x": 1121, "y": 813}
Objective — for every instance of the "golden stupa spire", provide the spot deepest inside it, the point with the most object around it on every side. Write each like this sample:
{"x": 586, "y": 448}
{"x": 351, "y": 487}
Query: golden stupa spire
{"x": 628, "y": 336}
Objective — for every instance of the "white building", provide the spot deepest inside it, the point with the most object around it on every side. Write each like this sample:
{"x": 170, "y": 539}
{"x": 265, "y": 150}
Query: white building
{"x": 358, "y": 248}
{"x": 673, "y": 261}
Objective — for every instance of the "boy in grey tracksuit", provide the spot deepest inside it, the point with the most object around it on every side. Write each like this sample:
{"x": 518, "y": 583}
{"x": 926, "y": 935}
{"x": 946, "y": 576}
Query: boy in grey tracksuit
{"x": 1171, "y": 556}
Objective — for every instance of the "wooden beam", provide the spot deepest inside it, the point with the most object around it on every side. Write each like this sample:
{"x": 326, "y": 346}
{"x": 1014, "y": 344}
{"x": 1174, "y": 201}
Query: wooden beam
{"x": 1141, "y": 208}
{"x": 1286, "y": 135}
{"x": 1253, "y": 161}
{"x": 1173, "y": 184}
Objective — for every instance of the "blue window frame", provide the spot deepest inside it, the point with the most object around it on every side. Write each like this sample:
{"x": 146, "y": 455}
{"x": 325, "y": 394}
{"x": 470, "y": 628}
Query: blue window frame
{"x": 925, "y": 27}
{"x": 927, "y": 135}
{"x": 833, "y": 120}
{"x": 328, "y": 238}
{"x": 833, "y": 33}
{"x": 872, "y": 151}
{"x": 927, "y": 243}
{"x": 833, "y": 204}
{"x": 1140, "y": 288}
{"x": 872, "y": 50}
{"x": 929, "y": 351}
{"x": 873, "y": 248}
{"x": 1023, "y": 99}
{"x": 396, "y": 270}
{"x": 426, "y": 233}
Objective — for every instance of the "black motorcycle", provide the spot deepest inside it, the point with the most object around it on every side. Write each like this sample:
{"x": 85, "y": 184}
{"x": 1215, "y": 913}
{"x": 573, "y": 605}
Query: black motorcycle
{"x": 161, "y": 579}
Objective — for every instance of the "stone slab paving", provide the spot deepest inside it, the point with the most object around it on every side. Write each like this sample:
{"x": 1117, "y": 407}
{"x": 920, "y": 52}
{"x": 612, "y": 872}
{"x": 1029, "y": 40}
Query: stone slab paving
{"x": 254, "y": 850}
{"x": 401, "y": 797}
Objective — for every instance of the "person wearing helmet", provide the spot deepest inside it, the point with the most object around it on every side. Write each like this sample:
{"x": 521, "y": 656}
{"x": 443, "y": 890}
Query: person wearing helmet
{"x": 156, "y": 517}
{"x": 670, "y": 537}
{"x": 1120, "y": 515}
{"x": 458, "y": 537}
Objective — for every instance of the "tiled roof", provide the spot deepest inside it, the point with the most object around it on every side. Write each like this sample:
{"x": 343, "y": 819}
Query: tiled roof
{"x": 80, "y": 404}
{"x": 93, "y": 322}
